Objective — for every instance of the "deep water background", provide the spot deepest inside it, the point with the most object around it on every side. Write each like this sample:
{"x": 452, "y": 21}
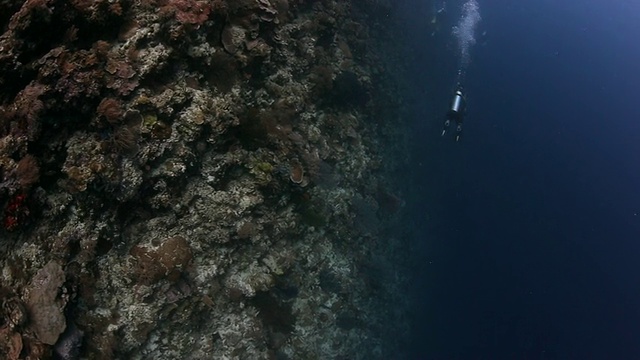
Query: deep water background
{"x": 527, "y": 234}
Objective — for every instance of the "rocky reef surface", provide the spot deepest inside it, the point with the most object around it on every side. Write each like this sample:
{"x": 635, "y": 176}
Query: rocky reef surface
{"x": 201, "y": 179}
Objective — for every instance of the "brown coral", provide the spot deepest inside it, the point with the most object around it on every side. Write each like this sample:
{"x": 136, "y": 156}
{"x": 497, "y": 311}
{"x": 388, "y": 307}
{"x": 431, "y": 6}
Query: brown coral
{"x": 188, "y": 12}
{"x": 10, "y": 344}
{"x": 124, "y": 139}
{"x": 46, "y": 309}
{"x": 166, "y": 261}
{"x": 233, "y": 37}
{"x": 222, "y": 72}
{"x": 192, "y": 12}
{"x": 247, "y": 230}
{"x": 111, "y": 110}
{"x": 27, "y": 171}
{"x": 296, "y": 174}
{"x": 27, "y": 108}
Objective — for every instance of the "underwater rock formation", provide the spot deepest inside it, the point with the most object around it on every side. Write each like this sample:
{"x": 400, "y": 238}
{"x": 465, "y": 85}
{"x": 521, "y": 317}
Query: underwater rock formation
{"x": 199, "y": 180}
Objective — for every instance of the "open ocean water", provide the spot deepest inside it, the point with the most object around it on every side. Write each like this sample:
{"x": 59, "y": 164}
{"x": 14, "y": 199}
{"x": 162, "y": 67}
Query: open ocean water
{"x": 528, "y": 230}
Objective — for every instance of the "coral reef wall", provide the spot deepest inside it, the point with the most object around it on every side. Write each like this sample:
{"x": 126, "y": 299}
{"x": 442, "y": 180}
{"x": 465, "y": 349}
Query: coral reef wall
{"x": 200, "y": 179}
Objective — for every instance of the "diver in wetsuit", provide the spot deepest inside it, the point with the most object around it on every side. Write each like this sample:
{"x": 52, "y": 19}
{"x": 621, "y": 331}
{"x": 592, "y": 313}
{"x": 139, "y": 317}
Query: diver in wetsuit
{"x": 456, "y": 112}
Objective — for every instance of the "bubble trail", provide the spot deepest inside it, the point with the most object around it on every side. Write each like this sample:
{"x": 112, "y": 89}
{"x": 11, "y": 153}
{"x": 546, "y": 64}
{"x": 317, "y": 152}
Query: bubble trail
{"x": 464, "y": 31}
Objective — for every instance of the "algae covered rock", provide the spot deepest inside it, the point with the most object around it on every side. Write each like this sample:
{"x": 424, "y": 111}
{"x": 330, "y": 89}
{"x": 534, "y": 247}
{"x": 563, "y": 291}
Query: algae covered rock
{"x": 46, "y": 308}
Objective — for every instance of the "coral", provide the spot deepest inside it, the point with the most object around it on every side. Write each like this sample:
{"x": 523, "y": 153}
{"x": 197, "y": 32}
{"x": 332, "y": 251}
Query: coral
{"x": 188, "y": 12}
{"x": 202, "y": 170}
{"x": 296, "y": 174}
{"x": 97, "y": 10}
{"x": 46, "y": 308}
{"x": 251, "y": 281}
{"x": 247, "y": 230}
{"x": 16, "y": 213}
{"x": 166, "y": 261}
{"x": 111, "y": 110}
{"x": 84, "y": 163}
{"x": 233, "y": 37}
{"x": 123, "y": 139}
{"x": 13, "y": 312}
{"x": 28, "y": 108}
{"x": 11, "y": 344}
{"x": 263, "y": 171}
{"x": 222, "y": 71}
{"x": 121, "y": 76}
{"x": 191, "y": 12}
{"x": 27, "y": 171}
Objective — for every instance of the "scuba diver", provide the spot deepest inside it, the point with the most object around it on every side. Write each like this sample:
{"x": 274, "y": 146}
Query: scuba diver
{"x": 464, "y": 31}
{"x": 456, "y": 112}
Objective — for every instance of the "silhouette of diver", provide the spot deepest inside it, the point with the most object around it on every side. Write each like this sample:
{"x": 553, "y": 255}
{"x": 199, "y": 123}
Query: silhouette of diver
{"x": 456, "y": 112}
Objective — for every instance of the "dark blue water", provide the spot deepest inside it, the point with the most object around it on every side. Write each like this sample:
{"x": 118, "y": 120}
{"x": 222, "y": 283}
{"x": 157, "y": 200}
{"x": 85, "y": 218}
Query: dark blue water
{"x": 528, "y": 231}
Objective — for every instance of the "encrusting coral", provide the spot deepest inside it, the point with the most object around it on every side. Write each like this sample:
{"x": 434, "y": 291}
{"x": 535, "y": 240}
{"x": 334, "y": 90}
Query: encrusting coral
{"x": 200, "y": 179}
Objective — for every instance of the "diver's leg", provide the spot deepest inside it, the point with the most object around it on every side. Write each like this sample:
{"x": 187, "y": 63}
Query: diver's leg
{"x": 445, "y": 127}
{"x": 458, "y": 131}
